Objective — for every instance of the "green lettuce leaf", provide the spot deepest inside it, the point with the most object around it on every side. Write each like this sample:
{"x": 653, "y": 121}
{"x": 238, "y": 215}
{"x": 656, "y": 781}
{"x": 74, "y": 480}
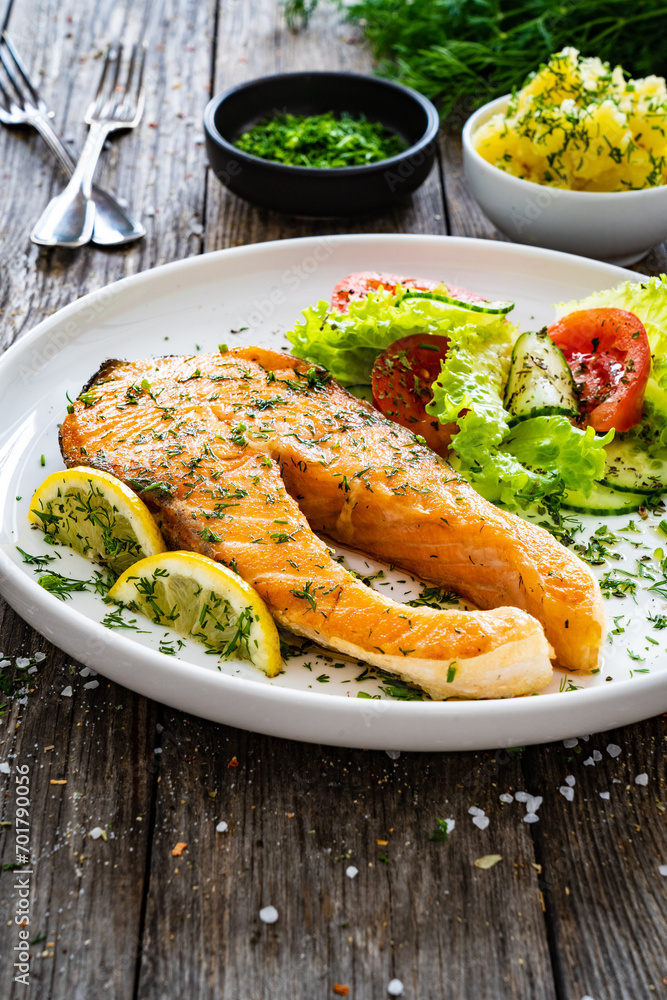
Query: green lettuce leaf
{"x": 347, "y": 344}
{"x": 537, "y": 459}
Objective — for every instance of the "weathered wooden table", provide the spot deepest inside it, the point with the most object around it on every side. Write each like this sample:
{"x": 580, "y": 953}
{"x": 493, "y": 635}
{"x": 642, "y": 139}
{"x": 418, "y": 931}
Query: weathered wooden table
{"x": 578, "y": 905}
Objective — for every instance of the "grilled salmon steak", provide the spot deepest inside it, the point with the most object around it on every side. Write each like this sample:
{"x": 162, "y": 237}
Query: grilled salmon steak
{"x": 243, "y": 456}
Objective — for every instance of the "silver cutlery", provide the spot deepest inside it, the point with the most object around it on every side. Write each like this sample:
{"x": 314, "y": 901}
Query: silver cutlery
{"x": 21, "y": 104}
{"x": 69, "y": 218}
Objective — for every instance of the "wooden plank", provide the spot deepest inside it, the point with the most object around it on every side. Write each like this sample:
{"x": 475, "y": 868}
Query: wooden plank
{"x": 157, "y": 168}
{"x": 603, "y": 890}
{"x": 254, "y": 42}
{"x": 465, "y": 217}
{"x": 87, "y": 894}
{"x": 297, "y": 815}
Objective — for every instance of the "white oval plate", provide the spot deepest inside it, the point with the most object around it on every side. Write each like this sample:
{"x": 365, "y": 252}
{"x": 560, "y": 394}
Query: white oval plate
{"x": 251, "y": 295}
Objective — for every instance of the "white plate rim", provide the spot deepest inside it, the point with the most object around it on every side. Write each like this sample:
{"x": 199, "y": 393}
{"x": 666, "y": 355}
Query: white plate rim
{"x": 30, "y": 600}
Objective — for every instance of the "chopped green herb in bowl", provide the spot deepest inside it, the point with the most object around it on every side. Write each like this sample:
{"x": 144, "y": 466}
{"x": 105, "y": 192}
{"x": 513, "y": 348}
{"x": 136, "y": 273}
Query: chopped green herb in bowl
{"x": 321, "y": 141}
{"x": 321, "y": 144}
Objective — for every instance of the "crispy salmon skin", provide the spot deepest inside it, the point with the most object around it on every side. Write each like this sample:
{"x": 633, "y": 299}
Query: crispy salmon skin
{"x": 244, "y": 456}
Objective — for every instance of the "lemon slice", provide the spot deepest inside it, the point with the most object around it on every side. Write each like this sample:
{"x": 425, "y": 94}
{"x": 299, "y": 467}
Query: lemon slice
{"x": 96, "y": 514}
{"x": 202, "y": 599}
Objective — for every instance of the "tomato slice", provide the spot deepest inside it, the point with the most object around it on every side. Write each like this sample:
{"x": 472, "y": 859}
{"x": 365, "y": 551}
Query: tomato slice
{"x": 402, "y": 378}
{"x": 610, "y": 358}
{"x": 357, "y": 286}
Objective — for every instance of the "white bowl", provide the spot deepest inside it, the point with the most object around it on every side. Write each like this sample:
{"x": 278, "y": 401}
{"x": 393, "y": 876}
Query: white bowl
{"x": 618, "y": 226}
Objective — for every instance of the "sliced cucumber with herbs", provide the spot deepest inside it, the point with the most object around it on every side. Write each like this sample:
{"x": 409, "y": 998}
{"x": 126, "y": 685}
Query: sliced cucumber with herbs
{"x": 494, "y": 308}
{"x": 540, "y": 382}
{"x": 604, "y": 501}
{"x": 630, "y": 468}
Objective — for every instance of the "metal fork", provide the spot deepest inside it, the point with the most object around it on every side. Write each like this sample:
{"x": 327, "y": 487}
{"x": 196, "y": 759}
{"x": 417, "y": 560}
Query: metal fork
{"x": 21, "y": 104}
{"x": 69, "y": 218}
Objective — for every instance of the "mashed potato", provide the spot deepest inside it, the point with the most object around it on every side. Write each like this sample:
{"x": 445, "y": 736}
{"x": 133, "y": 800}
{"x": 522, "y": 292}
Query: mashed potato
{"x": 578, "y": 124}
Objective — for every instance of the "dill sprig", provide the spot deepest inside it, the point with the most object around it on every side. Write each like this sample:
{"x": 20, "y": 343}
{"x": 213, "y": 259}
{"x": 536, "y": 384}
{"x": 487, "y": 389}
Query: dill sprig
{"x": 464, "y": 54}
{"x": 62, "y": 586}
{"x": 323, "y": 141}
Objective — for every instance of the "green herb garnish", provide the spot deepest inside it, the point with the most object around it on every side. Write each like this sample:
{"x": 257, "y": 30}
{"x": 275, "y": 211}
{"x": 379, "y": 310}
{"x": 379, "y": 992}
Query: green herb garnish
{"x": 62, "y": 586}
{"x": 618, "y": 583}
{"x": 439, "y": 835}
{"x": 464, "y": 54}
{"x": 321, "y": 141}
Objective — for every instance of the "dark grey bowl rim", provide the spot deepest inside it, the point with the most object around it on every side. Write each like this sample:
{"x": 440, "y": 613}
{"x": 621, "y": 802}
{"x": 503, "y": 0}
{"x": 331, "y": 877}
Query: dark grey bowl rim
{"x": 432, "y": 127}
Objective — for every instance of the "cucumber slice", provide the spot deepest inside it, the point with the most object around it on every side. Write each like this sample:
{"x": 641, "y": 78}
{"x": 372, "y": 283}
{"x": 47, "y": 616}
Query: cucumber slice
{"x": 604, "y": 501}
{"x": 630, "y": 469}
{"x": 540, "y": 382}
{"x": 494, "y": 308}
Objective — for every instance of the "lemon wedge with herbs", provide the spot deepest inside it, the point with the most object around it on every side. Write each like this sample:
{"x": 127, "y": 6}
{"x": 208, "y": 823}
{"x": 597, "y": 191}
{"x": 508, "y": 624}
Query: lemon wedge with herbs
{"x": 96, "y": 514}
{"x": 202, "y": 599}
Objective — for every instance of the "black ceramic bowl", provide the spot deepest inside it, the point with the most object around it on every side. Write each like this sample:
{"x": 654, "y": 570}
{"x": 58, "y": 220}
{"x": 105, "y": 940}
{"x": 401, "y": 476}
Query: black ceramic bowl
{"x": 316, "y": 191}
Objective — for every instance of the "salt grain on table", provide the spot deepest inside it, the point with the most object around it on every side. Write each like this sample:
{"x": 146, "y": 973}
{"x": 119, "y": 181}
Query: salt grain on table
{"x": 506, "y": 798}
{"x": 570, "y": 780}
{"x": 222, "y": 827}
{"x": 572, "y": 742}
{"x": 475, "y": 811}
{"x": 641, "y": 779}
{"x": 604, "y": 795}
{"x": 395, "y": 988}
{"x": 521, "y": 796}
{"x": 268, "y": 915}
{"x": 66, "y": 692}
{"x": 531, "y": 817}
{"x": 567, "y": 792}
{"x": 4, "y": 768}
{"x": 613, "y": 750}
{"x": 22, "y": 662}
{"x": 589, "y": 762}
{"x": 351, "y": 871}
{"x": 481, "y": 821}
{"x": 96, "y": 832}
{"x": 663, "y": 870}
{"x": 91, "y": 685}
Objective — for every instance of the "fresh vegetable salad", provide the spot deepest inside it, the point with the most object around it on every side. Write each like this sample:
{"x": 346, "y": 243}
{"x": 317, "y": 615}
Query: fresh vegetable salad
{"x": 581, "y": 125}
{"x": 570, "y": 417}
